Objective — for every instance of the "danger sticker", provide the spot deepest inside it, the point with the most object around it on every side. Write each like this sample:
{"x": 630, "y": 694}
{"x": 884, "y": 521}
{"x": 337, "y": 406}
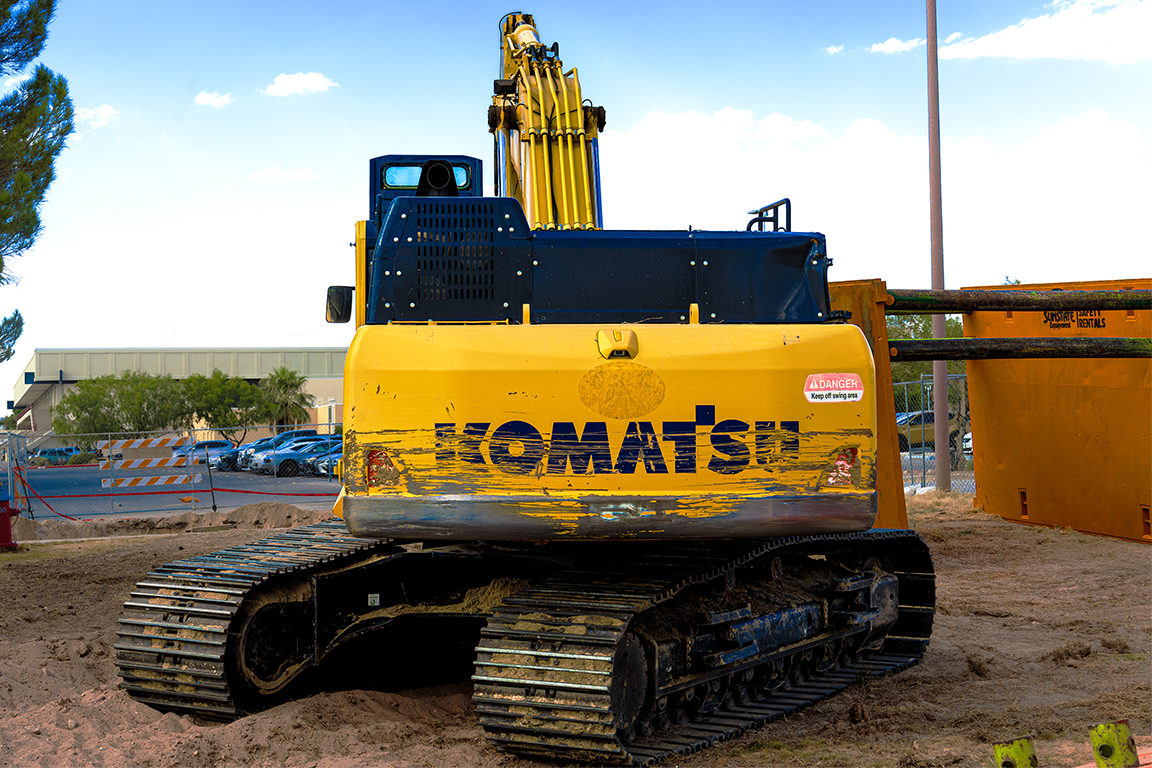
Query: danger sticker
{"x": 834, "y": 388}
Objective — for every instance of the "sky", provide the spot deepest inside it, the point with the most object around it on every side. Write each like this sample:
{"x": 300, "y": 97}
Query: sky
{"x": 209, "y": 193}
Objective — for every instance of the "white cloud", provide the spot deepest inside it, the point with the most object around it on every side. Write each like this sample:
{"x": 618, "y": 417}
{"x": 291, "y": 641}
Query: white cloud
{"x": 892, "y": 45}
{"x": 279, "y": 173}
{"x": 205, "y": 99}
{"x": 834, "y": 49}
{"x": 953, "y": 37}
{"x": 777, "y": 126}
{"x": 312, "y": 82}
{"x": 1112, "y": 31}
{"x": 1006, "y": 209}
{"x": 96, "y": 118}
{"x": 15, "y": 80}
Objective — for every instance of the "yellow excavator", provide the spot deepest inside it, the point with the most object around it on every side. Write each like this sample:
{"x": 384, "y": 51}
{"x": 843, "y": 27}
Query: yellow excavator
{"x": 631, "y": 473}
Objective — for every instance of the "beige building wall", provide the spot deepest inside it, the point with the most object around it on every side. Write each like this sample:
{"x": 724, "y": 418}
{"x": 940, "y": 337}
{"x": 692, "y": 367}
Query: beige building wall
{"x": 53, "y": 372}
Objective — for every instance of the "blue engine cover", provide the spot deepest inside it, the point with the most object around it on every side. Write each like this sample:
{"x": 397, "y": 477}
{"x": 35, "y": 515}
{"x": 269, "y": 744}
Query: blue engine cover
{"x": 475, "y": 259}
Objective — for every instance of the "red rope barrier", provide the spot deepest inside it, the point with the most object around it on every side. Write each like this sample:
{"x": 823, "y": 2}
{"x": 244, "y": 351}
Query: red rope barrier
{"x": 28, "y": 488}
{"x": 185, "y": 492}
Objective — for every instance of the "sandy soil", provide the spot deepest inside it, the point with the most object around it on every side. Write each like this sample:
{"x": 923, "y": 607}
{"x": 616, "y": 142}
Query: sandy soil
{"x": 1039, "y": 632}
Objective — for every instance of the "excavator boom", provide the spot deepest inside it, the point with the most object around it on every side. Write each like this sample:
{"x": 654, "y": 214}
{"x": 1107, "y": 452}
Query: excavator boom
{"x": 547, "y": 147}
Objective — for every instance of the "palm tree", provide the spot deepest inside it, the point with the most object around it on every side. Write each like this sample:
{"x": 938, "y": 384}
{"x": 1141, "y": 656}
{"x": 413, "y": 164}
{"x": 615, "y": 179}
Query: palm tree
{"x": 284, "y": 397}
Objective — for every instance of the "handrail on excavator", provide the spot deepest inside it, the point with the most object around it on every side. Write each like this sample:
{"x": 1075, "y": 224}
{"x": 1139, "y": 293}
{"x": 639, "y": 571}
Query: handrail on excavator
{"x": 762, "y": 216}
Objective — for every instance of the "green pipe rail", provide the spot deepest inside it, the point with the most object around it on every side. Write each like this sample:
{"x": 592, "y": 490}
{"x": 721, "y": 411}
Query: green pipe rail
{"x": 927, "y": 302}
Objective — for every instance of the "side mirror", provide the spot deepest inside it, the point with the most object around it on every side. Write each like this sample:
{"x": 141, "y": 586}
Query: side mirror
{"x": 339, "y": 304}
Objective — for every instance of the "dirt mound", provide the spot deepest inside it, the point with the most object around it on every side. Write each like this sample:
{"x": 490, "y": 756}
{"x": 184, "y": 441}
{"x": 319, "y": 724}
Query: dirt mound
{"x": 262, "y": 515}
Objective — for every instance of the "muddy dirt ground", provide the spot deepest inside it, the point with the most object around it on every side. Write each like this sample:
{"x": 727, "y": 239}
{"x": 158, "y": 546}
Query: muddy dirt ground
{"x": 1039, "y": 632}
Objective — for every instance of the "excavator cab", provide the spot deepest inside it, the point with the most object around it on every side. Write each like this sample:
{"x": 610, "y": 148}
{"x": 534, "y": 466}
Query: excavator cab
{"x": 396, "y": 176}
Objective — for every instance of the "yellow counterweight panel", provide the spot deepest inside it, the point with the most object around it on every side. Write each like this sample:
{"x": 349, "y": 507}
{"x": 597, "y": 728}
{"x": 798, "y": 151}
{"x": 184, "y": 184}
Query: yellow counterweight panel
{"x": 705, "y": 418}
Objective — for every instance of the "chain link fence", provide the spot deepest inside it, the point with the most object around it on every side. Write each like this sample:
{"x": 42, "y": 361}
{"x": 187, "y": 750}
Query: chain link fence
{"x": 164, "y": 473}
{"x": 916, "y": 433}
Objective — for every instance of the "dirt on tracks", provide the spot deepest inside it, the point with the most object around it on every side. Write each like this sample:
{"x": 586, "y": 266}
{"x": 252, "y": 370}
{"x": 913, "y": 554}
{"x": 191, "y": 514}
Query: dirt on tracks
{"x": 1039, "y": 632}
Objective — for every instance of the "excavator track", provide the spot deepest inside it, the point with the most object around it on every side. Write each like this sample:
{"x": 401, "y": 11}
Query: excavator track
{"x": 553, "y": 664}
{"x": 561, "y": 669}
{"x": 174, "y": 636}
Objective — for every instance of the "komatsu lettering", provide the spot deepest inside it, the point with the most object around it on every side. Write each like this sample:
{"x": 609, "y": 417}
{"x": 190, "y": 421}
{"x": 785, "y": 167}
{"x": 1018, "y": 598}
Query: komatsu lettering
{"x": 520, "y": 448}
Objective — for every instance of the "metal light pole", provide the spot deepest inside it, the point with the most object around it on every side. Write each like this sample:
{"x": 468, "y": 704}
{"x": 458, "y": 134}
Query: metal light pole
{"x": 939, "y": 326}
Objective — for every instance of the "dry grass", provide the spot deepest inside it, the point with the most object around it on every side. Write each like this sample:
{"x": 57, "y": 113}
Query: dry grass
{"x": 1070, "y": 651}
{"x": 935, "y": 507}
{"x": 1116, "y": 645}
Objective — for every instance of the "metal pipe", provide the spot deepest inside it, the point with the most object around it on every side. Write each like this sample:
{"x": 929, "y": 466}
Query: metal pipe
{"x": 594, "y": 145}
{"x": 583, "y": 134}
{"x": 913, "y": 350}
{"x": 534, "y": 214}
{"x": 559, "y": 144}
{"x": 939, "y": 329}
{"x": 569, "y": 154}
{"x": 545, "y": 150}
{"x": 948, "y": 302}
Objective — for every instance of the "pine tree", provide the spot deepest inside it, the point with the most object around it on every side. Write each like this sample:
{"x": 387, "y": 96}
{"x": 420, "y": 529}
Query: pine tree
{"x": 35, "y": 120}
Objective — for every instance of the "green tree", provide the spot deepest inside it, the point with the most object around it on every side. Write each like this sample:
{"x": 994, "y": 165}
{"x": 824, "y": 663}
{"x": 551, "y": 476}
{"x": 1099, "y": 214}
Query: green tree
{"x": 35, "y": 120}
{"x": 920, "y": 327}
{"x": 133, "y": 403}
{"x": 150, "y": 403}
{"x": 284, "y": 397}
{"x": 228, "y": 404}
{"x": 10, "y": 329}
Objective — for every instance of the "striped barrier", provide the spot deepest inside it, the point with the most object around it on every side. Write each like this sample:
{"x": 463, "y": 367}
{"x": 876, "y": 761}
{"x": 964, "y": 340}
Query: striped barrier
{"x": 130, "y": 482}
{"x": 144, "y": 442}
{"x": 178, "y": 461}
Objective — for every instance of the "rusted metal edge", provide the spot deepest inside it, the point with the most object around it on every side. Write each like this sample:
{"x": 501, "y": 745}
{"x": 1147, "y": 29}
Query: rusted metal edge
{"x": 912, "y": 350}
{"x": 912, "y": 301}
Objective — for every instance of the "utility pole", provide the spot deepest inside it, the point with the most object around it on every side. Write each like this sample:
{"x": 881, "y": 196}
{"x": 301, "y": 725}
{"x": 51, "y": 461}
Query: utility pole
{"x": 939, "y": 324}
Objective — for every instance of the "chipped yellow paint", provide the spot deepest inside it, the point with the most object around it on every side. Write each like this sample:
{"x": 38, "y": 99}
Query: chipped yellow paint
{"x": 1113, "y": 745}
{"x": 404, "y": 380}
{"x": 1020, "y": 753}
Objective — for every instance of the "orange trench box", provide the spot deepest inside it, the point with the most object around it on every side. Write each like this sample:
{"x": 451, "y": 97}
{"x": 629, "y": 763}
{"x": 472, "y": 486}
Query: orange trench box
{"x": 1064, "y": 442}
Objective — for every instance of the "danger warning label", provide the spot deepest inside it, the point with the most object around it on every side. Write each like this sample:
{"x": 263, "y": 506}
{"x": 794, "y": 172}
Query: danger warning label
{"x": 834, "y": 388}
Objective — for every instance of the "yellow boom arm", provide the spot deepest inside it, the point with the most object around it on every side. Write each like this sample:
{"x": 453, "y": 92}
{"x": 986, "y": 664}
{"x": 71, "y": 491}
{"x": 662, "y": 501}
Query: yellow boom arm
{"x": 547, "y": 153}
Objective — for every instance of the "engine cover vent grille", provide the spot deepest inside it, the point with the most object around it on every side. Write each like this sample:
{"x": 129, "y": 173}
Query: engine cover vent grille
{"x": 455, "y": 250}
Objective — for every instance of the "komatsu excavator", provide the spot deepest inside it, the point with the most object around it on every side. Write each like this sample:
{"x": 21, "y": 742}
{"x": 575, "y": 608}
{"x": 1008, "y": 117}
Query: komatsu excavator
{"x": 635, "y": 471}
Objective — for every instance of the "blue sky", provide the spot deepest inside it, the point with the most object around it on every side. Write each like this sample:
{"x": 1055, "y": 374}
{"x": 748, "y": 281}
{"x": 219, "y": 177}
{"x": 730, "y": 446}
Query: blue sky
{"x": 209, "y": 193}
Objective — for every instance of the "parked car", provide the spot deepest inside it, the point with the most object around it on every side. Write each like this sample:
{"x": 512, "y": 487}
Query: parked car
{"x": 269, "y": 442}
{"x": 246, "y": 451}
{"x": 59, "y": 455}
{"x": 258, "y": 462}
{"x": 918, "y": 429}
{"x": 968, "y": 444}
{"x": 226, "y": 461}
{"x": 311, "y": 465}
{"x": 286, "y": 462}
{"x": 264, "y": 443}
{"x": 203, "y": 451}
{"x": 329, "y": 465}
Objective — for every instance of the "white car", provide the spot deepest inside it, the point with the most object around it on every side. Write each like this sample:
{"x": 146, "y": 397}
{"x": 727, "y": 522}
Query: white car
{"x": 968, "y": 444}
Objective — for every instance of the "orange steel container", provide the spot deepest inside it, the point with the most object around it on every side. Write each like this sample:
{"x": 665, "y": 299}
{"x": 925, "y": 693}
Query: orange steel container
{"x": 1064, "y": 442}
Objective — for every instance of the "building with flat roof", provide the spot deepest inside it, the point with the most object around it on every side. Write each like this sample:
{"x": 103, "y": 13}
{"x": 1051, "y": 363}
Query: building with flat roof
{"x": 53, "y": 372}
